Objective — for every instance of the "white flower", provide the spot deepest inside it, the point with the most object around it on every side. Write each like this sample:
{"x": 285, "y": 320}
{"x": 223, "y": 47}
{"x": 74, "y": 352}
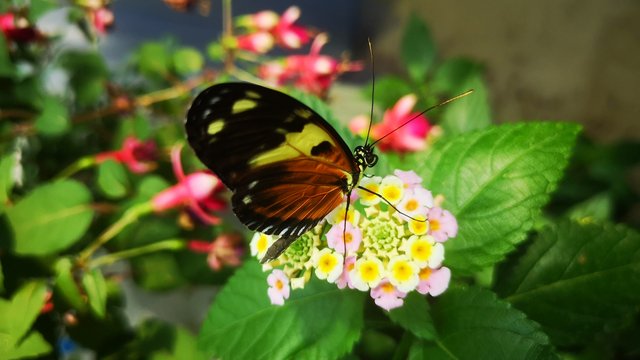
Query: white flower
{"x": 403, "y": 273}
{"x": 260, "y": 243}
{"x": 367, "y": 273}
{"x": 328, "y": 264}
{"x": 373, "y": 184}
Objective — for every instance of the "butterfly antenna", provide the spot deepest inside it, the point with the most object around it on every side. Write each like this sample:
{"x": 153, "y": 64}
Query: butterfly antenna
{"x": 373, "y": 91}
{"x": 422, "y": 113}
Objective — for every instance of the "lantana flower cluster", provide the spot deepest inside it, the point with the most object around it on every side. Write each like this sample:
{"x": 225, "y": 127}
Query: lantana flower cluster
{"x": 386, "y": 250}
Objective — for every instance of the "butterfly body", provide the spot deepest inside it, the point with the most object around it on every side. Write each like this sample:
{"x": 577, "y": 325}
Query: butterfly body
{"x": 286, "y": 166}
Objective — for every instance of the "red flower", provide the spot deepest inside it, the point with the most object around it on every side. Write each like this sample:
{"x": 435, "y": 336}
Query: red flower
{"x": 102, "y": 19}
{"x": 281, "y": 28}
{"x": 197, "y": 191}
{"x": 18, "y": 29}
{"x": 137, "y": 155}
{"x": 313, "y": 73}
{"x": 226, "y": 249}
{"x": 258, "y": 42}
{"x": 411, "y": 137}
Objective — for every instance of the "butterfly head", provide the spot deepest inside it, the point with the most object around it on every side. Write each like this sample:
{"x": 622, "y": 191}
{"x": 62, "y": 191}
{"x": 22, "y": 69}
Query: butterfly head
{"x": 365, "y": 157}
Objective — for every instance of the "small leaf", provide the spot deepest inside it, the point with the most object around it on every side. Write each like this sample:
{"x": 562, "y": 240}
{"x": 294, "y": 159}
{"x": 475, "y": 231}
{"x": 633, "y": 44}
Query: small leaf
{"x": 88, "y": 75}
{"x": 6, "y": 179}
{"x": 66, "y": 284}
{"x": 96, "y": 288}
{"x": 33, "y": 346}
{"x": 154, "y": 59}
{"x": 598, "y": 207}
{"x": 187, "y": 61}
{"x": 51, "y": 218}
{"x": 112, "y": 179}
{"x": 25, "y": 307}
{"x": 414, "y": 316}
{"x": 54, "y": 118}
{"x": 576, "y": 279}
{"x": 215, "y": 51}
{"x": 389, "y": 89}
{"x": 495, "y": 182}
{"x": 418, "y": 49}
{"x": 453, "y": 76}
{"x": 473, "y": 324}
{"x": 319, "y": 321}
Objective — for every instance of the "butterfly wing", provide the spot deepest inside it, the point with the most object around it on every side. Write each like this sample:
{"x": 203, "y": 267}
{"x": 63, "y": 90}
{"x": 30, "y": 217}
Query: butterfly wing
{"x": 287, "y": 167}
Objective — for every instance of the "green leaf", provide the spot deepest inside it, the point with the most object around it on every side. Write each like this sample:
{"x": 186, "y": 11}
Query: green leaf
{"x": 469, "y": 113}
{"x": 473, "y": 324}
{"x": 96, "y": 288}
{"x": 37, "y": 8}
{"x": 1, "y": 279}
{"x": 415, "y": 316}
{"x": 576, "y": 279}
{"x": 319, "y": 321}
{"x": 112, "y": 179}
{"x": 154, "y": 59}
{"x": 389, "y": 89}
{"x": 453, "y": 76}
{"x": 66, "y": 284}
{"x": 7, "y": 69}
{"x": 187, "y": 60}
{"x": 418, "y": 49}
{"x": 6, "y": 180}
{"x": 54, "y": 118}
{"x": 215, "y": 51}
{"x": 19, "y": 314}
{"x": 51, "y": 218}
{"x": 32, "y": 346}
{"x": 495, "y": 182}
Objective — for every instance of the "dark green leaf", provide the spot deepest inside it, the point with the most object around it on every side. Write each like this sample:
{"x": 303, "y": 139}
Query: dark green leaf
{"x": 158, "y": 271}
{"x": 453, "y": 76}
{"x": 96, "y": 289}
{"x": 418, "y": 49}
{"x": 495, "y": 182}
{"x": 6, "y": 65}
{"x": 473, "y": 324}
{"x": 66, "y": 284}
{"x": 576, "y": 279}
{"x": 187, "y": 61}
{"x": 88, "y": 75}
{"x": 469, "y": 113}
{"x": 32, "y": 346}
{"x": 54, "y": 118}
{"x": 319, "y": 321}
{"x": 414, "y": 316}
{"x": 50, "y": 218}
{"x": 112, "y": 179}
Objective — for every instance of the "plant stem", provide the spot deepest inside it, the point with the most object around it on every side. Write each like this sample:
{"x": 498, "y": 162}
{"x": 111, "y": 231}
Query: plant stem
{"x": 130, "y": 216}
{"x": 170, "y": 244}
{"x": 78, "y": 165}
{"x": 227, "y": 33}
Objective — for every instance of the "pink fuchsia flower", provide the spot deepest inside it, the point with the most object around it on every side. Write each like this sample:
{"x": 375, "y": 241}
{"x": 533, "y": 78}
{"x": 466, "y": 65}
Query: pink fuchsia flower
{"x": 137, "y": 155}
{"x": 197, "y": 192}
{"x": 433, "y": 282}
{"x": 18, "y": 29}
{"x": 259, "y": 42}
{"x": 344, "y": 280}
{"x": 351, "y": 240}
{"x": 408, "y": 138}
{"x": 226, "y": 249}
{"x": 313, "y": 73}
{"x": 387, "y": 296}
{"x": 442, "y": 224}
{"x": 278, "y": 287}
{"x": 288, "y": 35}
{"x": 102, "y": 19}
{"x": 265, "y": 20}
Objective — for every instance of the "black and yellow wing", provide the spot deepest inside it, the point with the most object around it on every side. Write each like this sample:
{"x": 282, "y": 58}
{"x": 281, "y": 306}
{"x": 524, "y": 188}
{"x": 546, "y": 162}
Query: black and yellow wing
{"x": 287, "y": 167}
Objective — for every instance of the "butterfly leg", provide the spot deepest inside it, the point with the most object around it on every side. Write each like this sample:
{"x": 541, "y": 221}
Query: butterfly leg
{"x": 277, "y": 248}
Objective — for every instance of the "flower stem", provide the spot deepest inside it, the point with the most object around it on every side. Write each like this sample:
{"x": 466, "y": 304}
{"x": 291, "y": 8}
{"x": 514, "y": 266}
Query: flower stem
{"x": 130, "y": 216}
{"x": 227, "y": 32}
{"x": 80, "y": 164}
{"x": 170, "y": 244}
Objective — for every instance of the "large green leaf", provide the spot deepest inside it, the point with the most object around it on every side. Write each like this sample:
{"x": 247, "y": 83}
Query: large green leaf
{"x": 33, "y": 345}
{"x": 50, "y": 218}
{"x": 576, "y": 279}
{"x": 473, "y": 324}
{"x": 415, "y": 316}
{"x": 319, "y": 321}
{"x": 469, "y": 113}
{"x": 495, "y": 182}
{"x": 418, "y": 49}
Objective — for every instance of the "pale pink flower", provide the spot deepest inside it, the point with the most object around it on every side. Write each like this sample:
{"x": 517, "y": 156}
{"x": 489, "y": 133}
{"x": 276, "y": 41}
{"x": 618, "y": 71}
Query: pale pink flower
{"x": 278, "y": 287}
{"x": 344, "y": 280}
{"x": 259, "y": 42}
{"x": 226, "y": 249}
{"x": 387, "y": 296}
{"x": 351, "y": 240}
{"x": 442, "y": 224}
{"x": 433, "y": 282}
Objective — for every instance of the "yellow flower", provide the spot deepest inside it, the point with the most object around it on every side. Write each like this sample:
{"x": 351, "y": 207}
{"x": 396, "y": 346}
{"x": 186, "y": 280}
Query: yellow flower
{"x": 259, "y": 244}
{"x": 373, "y": 184}
{"x": 403, "y": 273}
{"x": 328, "y": 264}
{"x": 367, "y": 273}
{"x": 392, "y": 189}
{"x": 419, "y": 227}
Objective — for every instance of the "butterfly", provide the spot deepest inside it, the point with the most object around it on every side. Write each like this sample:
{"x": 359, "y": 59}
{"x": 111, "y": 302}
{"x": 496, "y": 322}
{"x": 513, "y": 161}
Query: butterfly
{"x": 286, "y": 166}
